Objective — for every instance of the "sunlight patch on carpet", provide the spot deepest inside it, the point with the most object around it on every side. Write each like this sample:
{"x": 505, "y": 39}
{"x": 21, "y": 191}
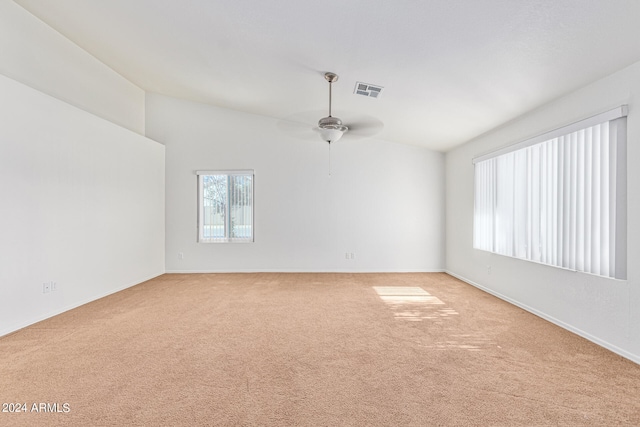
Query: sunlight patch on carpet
{"x": 467, "y": 342}
{"x": 413, "y": 303}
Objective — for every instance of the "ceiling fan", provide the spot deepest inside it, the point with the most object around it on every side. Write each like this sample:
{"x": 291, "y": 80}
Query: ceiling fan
{"x": 331, "y": 128}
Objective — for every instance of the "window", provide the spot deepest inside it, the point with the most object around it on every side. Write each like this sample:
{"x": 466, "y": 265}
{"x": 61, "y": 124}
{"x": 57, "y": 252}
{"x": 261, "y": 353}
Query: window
{"x": 559, "y": 198}
{"x": 225, "y": 211}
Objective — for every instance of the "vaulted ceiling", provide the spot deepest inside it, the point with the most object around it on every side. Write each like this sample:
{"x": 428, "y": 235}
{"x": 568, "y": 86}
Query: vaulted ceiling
{"x": 451, "y": 69}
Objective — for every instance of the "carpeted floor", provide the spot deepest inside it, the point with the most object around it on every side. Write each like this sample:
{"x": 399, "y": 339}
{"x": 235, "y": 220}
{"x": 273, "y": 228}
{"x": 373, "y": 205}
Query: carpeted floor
{"x": 310, "y": 350}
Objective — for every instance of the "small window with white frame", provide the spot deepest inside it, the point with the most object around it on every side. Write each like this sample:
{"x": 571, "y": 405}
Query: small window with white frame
{"x": 225, "y": 206}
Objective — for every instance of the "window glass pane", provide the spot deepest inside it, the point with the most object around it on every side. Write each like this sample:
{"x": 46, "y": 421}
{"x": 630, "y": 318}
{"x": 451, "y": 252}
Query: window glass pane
{"x": 225, "y": 206}
{"x": 214, "y": 206}
{"x": 241, "y": 212}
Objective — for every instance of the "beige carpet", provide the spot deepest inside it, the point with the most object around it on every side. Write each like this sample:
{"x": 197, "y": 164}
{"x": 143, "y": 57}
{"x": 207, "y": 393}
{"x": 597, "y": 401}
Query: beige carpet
{"x": 310, "y": 350}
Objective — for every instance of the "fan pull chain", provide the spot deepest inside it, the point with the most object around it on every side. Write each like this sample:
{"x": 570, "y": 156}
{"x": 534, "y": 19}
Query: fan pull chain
{"x": 329, "y": 160}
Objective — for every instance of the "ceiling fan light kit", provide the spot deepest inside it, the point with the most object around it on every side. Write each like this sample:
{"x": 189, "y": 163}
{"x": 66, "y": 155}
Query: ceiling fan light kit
{"x": 331, "y": 135}
{"x": 331, "y": 128}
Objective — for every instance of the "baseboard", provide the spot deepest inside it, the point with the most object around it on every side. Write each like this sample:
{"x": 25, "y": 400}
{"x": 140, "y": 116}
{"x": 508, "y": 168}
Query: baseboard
{"x": 300, "y": 271}
{"x": 627, "y": 355}
{"x": 20, "y": 325}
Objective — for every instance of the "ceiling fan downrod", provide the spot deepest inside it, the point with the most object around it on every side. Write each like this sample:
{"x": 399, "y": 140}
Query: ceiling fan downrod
{"x": 330, "y": 77}
{"x": 331, "y": 128}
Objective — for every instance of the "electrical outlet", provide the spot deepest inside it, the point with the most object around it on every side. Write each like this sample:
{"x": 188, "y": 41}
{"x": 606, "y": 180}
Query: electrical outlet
{"x": 46, "y": 288}
{"x": 54, "y": 286}
{"x": 488, "y": 269}
{"x": 352, "y": 255}
{"x": 180, "y": 255}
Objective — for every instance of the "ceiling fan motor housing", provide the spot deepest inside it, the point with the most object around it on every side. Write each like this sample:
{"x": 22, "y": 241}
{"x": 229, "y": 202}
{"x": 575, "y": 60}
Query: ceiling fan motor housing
{"x": 331, "y": 123}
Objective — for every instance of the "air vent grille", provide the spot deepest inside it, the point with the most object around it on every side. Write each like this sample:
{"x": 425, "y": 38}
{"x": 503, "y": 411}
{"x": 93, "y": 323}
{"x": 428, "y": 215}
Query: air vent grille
{"x": 365, "y": 89}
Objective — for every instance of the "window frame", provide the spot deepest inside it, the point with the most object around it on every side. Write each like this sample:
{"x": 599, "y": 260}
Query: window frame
{"x": 200, "y": 215}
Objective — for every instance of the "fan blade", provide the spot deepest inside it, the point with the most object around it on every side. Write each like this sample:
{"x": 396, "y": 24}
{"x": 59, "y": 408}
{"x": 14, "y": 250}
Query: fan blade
{"x": 361, "y": 126}
{"x": 295, "y": 129}
{"x": 301, "y": 125}
{"x": 304, "y": 125}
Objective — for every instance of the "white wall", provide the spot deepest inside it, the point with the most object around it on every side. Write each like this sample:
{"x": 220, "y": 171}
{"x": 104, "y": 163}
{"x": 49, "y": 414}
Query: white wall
{"x": 33, "y": 53}
{"x": 603, "y": 310}
{"x": 82, "y": 197}
{"x": 82, "y": 205}
{"x": 384, "y": 202}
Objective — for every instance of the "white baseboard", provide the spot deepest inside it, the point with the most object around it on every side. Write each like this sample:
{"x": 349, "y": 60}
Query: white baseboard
{"x": 633, "y": 357}
{"x": 23, "y": 324}
{"x": 299, "y": 271}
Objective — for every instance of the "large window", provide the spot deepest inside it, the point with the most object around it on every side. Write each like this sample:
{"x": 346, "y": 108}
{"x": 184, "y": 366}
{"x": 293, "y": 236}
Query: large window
{"x": 225, "y": 212}
{"x": 559, "y": 198}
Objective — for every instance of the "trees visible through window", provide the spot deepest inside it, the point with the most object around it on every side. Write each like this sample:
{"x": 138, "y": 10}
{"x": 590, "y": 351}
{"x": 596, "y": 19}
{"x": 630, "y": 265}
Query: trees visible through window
{"x": 225, "y": 206}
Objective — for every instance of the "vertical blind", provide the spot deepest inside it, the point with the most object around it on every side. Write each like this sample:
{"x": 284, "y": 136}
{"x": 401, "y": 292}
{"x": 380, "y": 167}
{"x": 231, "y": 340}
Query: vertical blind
{"x": 558, "y": 199}
{"x": 225, "y": 202}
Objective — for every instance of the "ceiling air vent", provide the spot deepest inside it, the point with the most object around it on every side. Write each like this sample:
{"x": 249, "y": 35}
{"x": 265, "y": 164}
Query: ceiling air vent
{"x": 366, "y": 89}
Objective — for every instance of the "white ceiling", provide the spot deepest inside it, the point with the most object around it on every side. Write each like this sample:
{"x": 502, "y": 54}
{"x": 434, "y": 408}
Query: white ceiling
{"x": 451, "y": 69}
